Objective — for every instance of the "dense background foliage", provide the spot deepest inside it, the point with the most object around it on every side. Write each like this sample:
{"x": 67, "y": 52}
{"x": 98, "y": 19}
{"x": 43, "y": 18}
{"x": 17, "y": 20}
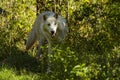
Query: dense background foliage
{"x": 91, "y": 50}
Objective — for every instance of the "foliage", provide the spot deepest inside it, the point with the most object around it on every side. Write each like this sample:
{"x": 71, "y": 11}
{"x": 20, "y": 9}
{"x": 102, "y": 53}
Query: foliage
{"x": 91, "y": 51}
{"x": 15, "y": 25}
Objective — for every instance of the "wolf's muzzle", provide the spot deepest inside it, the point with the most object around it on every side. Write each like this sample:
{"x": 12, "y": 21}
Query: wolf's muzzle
{"x": 52, "y": 33}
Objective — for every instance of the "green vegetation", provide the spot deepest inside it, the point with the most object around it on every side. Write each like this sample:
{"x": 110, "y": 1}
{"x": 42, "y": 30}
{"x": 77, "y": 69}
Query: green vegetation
{"x": 91, "y": 51}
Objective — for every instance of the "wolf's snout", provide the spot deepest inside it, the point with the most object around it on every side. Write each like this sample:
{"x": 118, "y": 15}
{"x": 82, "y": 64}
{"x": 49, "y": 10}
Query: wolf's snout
{"x": 52, "y": 33}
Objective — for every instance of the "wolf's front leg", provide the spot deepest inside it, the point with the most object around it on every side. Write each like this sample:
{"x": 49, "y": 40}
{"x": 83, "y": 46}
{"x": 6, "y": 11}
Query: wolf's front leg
{"x": 31, "y": 38}
{"x": 40, "y": 52}
{"x": 49, "y": 57}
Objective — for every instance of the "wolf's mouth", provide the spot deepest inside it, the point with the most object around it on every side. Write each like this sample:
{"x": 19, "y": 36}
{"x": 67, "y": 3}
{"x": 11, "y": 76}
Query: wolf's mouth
{"x": 52, "y": 33}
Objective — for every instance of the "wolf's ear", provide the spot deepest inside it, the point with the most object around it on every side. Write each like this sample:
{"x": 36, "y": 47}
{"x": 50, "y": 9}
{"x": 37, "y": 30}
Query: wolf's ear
{"x": 56, "y": 15}
{"x": 44, "y": 17}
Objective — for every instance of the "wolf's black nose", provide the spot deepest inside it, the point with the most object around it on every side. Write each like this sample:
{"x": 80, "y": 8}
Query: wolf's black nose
{"x": 52, "y": 32}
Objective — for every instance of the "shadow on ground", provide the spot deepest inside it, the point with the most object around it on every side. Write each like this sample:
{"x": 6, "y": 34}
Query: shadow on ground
{"x": 21, "y": 61}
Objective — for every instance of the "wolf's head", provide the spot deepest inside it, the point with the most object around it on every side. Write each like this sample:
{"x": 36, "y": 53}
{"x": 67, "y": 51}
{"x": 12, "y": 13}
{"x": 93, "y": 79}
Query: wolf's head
{"x": 51, "y": 24}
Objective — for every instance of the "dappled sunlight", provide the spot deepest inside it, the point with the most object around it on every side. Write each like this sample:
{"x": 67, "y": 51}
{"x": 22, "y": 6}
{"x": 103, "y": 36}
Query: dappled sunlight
{"x": 90, "y": 51}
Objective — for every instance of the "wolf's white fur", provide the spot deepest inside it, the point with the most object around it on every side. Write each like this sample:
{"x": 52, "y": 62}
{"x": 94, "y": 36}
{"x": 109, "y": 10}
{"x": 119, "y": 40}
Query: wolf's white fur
{"x": 47, "y": 26}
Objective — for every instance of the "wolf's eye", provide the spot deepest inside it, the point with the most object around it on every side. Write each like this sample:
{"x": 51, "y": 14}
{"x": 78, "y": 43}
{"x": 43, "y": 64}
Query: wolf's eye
{"x": 48, "y": 24}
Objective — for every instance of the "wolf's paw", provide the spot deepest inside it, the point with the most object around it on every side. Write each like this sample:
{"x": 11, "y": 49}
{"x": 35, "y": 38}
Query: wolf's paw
{"x": 38, "y": 57}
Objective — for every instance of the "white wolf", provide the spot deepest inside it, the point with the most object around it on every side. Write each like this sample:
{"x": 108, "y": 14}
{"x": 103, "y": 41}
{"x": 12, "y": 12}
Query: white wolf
{"x": 47, "y": 26}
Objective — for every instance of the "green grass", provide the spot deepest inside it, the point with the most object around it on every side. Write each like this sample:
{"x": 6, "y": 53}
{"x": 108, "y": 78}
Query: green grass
{"x": 66, "y": 66}
{"x": 10, "y": 74}
{"x": 16, "y": 67}
{"x": 21, "y": 67}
